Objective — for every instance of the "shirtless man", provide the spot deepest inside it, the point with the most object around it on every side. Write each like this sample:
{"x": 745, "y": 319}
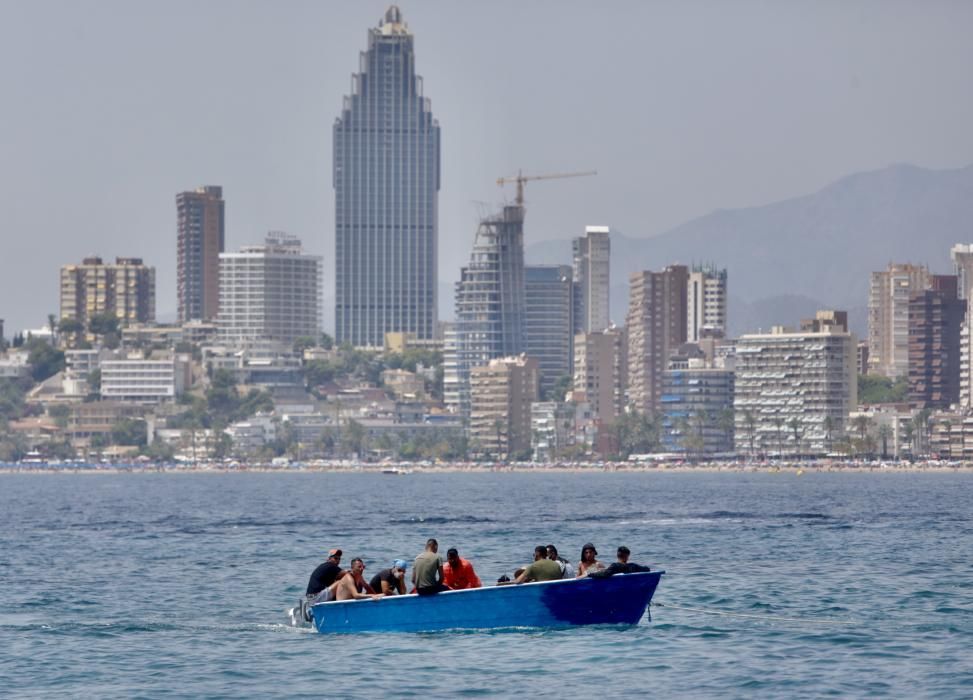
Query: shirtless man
{"x": 353, "y": 586}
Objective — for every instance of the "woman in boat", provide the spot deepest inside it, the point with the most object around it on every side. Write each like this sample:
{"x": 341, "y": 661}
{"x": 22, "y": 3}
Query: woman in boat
{"x": 589, "y": 563}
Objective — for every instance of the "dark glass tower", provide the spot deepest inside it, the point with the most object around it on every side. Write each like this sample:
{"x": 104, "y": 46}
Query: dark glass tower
{"x": 386, "y": 182}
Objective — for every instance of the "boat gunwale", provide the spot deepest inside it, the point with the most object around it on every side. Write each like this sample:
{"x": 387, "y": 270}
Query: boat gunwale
{"x": 510, "y": 585}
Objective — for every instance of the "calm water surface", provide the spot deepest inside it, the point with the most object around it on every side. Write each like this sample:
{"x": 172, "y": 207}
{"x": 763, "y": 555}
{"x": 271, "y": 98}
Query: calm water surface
{"x": 166, "y": 585}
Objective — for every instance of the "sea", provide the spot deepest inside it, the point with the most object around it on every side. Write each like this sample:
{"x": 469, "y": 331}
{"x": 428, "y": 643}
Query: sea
{"x": 777, "y": 585}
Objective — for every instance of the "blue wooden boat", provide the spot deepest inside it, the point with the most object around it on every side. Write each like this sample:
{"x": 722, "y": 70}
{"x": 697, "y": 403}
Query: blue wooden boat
{"x": 619, "y": 599}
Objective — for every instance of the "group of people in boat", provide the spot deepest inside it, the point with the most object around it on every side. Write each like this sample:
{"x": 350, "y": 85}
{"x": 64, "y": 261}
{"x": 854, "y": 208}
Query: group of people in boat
{"x": 431, "y": 575}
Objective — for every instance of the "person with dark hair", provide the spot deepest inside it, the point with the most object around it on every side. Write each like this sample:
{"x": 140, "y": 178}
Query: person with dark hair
{"x": 427, "y": 571}
{"x": 623, "y": 554}
{"x": 542, "y": 569}
{"x": 390, "y": 581}
{"x": 566, "y": 570}
{"x": 589, "y": 564}
{"x": 325, "y": 574}
{"x": 353, "y": 586}
{"x": 458, "y": 573}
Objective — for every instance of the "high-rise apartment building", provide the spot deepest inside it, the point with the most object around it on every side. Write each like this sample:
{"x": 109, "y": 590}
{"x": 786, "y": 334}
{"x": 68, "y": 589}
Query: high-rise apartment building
{"x": 125, "y": 289}
{"x": 962, "y": 256}
{"x": 705, "y": 303}
{"x": 592, "y": 279}
{"x": 601, "y": 372}
{"x": 888, "y": 317}
{"x": 490, "y": 304}
{"x": 386, "y": 183}
{"x": 270, "y": 292}
{"x": 548, "y": 324}
{"x": 697, "y": 409}
{"x": 656, "y": 325}
{"x": 794, "y": 379}
{"x": 201, "y": 237}
{"x": 501, "y": 394}
{"x": 936, "y": 315}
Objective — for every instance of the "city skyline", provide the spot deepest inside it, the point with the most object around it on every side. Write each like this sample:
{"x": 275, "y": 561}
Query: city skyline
{"x": 257, "y": 139}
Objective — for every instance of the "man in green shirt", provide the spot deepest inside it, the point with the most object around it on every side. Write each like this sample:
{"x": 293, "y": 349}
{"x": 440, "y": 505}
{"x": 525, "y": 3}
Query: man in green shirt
{"x": 542, "y": 569}
{"x": 427, "y": 572}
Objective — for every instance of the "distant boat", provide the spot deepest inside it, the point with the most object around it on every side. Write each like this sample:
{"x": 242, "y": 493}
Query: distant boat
{"x": 396, "y": 470}
{"x": 616, "y": 600}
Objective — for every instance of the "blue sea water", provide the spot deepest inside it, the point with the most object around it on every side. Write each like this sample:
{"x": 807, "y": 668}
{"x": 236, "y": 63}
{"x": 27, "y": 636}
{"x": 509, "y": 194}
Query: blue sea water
{"x": 175, "y": 585}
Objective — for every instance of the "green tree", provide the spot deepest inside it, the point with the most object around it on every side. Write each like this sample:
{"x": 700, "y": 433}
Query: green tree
{"x": 103, "y": 324}
{"x": 561, "y": 387}
{"x": 129, "y": 432}
{"x": 353, "y": 438}
{"x": 829, "y": 426}
{"x": 750, "y": 425}
{"x": 885, "y": 434}
{"x": 798, "y": 431}
{"x": 327, "y": 342}
{"x": 45, "y": 361}
{"x": 71, "y": 327}
{"x": 778, "y": 423}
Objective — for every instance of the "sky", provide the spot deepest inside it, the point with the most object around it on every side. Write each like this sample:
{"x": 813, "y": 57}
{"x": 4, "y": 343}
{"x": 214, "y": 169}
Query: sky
{"x": 111, "y": 107}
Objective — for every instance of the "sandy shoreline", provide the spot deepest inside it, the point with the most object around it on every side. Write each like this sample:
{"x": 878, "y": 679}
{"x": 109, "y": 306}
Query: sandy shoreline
{"x": 808, "y": 468}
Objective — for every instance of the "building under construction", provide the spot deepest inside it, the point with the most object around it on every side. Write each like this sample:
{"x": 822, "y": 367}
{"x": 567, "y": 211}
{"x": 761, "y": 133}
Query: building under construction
{"x": 489, "y": 304}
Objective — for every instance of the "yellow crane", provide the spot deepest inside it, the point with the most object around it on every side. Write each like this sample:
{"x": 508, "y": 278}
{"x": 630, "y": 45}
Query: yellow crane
{"x": 520, "y": 179}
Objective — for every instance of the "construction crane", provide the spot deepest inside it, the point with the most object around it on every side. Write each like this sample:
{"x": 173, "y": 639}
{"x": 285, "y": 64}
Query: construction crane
{"x": 520, "y": 179}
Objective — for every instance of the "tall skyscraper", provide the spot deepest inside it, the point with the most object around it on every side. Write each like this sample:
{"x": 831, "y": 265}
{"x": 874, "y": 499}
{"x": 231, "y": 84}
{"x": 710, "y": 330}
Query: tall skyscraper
{"x": 656, "y": 326}
{"x": 125, "y": 289}
{"x": 489, "y": 304}
{"x": 201, "y": 230}
{"x": 270, "y": 292}
{"x": 705, "y": 303}
{"x": 935, "y": 317}
{"x": 888, "y": 317}
{"x": 386, "y": 183}
{"x": 592, "y": 279}
{"x": 548, "y": 321}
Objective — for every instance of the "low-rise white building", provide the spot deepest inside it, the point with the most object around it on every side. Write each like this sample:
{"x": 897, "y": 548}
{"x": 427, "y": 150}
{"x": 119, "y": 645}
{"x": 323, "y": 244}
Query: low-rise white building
{"x": 147, "y": 381}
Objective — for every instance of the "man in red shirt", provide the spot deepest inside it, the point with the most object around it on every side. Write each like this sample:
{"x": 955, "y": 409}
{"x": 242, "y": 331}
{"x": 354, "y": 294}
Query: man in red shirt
{"x": 458, "y": 573}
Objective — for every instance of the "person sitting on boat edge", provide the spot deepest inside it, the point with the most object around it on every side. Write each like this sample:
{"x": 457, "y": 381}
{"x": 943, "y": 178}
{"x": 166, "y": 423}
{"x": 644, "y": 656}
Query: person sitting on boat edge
{"x": 589, "y": 563}
{"x": 622, "y": 566}
{"x": 458, "y": 573}
{"x": 566, "y": 570}
{"x": 427, "y": 570}
{"x": 542, "y": 569}
{"x": 391, "y": 581}
{"x": 353, "y": 586}
{"x": 325, "y": 575}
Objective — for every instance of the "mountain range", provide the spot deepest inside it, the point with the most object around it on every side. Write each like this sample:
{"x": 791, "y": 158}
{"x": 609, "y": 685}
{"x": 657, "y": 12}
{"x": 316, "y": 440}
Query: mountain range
{"x": 787, "y": 259}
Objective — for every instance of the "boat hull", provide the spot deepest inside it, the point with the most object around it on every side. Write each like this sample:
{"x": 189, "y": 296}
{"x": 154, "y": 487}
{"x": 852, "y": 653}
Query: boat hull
{"x": 619, "y": 599}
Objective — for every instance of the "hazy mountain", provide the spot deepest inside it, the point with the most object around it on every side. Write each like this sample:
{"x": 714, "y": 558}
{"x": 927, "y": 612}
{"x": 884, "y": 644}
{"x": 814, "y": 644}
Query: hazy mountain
{"x": 788, "y": 258}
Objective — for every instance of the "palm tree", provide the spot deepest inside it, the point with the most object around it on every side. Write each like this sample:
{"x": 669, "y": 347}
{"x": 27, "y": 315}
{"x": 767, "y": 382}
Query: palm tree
{"x": 861, "y": 423}
{"x": 778, "y": 422}
{"x": 829, "y": 425}
{"x": 750, "y": 423}
{"x": 884, "y": 433}
{"x": 726, "y": 420}
{"x": 795, "y": 426}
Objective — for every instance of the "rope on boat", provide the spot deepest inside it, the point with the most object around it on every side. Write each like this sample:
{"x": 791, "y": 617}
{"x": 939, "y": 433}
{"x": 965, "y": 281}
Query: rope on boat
{"x": 772, "y": 618}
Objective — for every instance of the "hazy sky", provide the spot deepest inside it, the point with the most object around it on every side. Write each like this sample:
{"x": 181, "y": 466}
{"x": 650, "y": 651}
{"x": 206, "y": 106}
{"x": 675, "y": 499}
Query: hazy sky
{"x": 111, "y": 107}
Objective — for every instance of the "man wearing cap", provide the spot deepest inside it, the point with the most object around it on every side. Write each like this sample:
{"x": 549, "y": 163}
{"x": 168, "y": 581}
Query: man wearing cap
{"x": 326, "y": 574}
{"x": 589, "y": 564}
{"x": 458, "y": 573}
{"x": 391, "y": 581}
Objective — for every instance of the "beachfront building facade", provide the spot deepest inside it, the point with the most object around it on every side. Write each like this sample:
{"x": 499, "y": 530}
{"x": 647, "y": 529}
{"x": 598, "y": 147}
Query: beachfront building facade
{"x": 600, "y": 373}
{"x": 705, "y": 303}
{"x": 656, "y": 325}
{"x": 200, "y": 239}
{"x": 697, "y": 409}
{"x": 793, "y": 390}
{"x": 501, "y": 394}
{"x": 888, "y": 317}
{"x": 548, "y": 321}
{"x": 270, "y": 292}
{"x": 386, "y": 185}
{"x": 592, "y": 279}
{"x": 936, "y": 315}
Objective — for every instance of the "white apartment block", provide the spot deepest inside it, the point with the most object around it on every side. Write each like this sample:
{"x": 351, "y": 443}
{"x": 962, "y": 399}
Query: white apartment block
{"x": 785, "y": 375}
{"x": 145, "y": 381}
{"x": 270, "y": 292}
{"x": 705, "y": 303}
{"x": 592, "y": 279}
{"x": 888, "y": 317}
